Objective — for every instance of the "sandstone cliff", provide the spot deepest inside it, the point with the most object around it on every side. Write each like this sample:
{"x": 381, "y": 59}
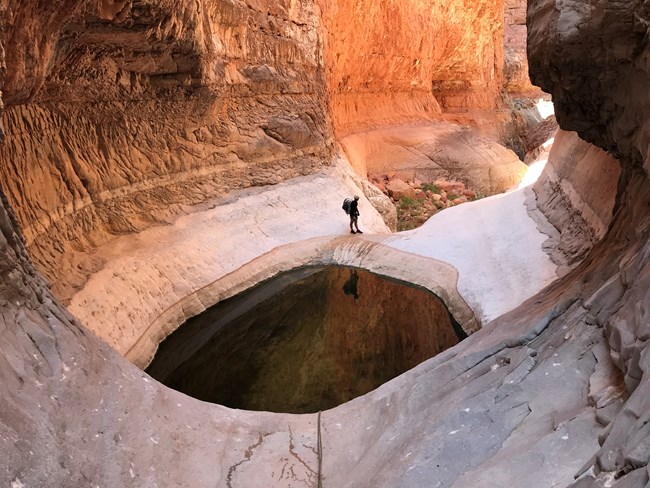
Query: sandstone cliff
{"x": 121, "y": 114}
{"x": 517, "y": 81}
{"x": 408, "y": 63}
{"x": 378, "y": 78}
{"x": 124, "y": 114}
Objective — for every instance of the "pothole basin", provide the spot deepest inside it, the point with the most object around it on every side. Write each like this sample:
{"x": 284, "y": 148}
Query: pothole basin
{"x": 306, "y": 340}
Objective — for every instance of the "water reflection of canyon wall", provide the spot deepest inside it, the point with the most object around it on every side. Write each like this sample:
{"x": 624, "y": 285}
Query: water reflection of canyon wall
{"x": 316, "y": 343}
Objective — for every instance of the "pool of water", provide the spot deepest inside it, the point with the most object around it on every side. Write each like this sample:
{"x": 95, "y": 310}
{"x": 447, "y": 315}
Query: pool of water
{"x": 306, "y": 340}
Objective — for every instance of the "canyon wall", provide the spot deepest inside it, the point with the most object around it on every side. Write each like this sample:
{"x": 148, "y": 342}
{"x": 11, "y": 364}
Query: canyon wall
{"x": 577, "y": 191}
{"x": 408, "y": 63}
{"x": 122, "y": 114}
{"x": 595, "y": 83}
{"x": 516, "y": 79}
{"x": 593, "y": 57}
{"x": 408, "y": 67}
{"x": 73, "y": 412}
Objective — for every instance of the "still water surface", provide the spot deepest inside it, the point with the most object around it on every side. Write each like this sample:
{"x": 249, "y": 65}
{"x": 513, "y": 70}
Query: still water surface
{"x": 306, "y": 340}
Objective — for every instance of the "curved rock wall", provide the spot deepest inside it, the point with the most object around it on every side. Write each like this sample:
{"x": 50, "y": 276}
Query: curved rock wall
{"x": 123, "y": 113}
{"x": 437, "y": 150}
{"x": 593, "y": 57}
{"x": 409, "y": 62}
{"x": 576, "y": 192}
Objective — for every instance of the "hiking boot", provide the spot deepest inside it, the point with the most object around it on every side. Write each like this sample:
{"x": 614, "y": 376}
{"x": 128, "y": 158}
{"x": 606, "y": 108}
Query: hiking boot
{"x": 359, "y": 232}
{"x": 352, "y": 232}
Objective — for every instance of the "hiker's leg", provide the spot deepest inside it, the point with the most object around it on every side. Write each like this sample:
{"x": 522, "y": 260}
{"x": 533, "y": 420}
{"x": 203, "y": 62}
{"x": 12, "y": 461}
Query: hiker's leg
{"x": 351, "y": 222}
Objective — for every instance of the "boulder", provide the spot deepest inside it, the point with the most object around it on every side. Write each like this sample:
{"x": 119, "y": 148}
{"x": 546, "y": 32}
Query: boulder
{"x": 456, "y": 187}
{"x": 398, "y": 189}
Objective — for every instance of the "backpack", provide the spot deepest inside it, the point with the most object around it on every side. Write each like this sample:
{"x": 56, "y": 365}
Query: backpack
{"x": 346, "y": 205}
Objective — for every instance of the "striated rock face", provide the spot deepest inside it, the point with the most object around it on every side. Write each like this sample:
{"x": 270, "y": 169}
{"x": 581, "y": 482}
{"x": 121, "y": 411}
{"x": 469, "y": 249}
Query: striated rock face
{"x": 391, "y": 63}
{"x": 121, "y": 114}
{"x": 592, "y": 56}
{"x": 583, "y": 178}
{"x": 516, "y": 79}
{"x": 409, "y": 66}
{"x": 66, "y": 389}
{"x": 438, "y": 150}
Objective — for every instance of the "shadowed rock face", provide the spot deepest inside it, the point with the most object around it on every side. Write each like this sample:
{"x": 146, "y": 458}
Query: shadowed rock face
{"x": 577, "y": 193}
{"x": 592, "y": 56}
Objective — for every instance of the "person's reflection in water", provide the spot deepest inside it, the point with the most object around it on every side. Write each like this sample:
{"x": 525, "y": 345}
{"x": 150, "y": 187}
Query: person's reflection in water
{"x": 350, "y": 286}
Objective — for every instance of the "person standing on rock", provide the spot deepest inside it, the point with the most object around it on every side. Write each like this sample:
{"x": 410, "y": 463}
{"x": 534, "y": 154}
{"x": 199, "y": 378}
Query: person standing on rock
{"x": 354, "y": 215}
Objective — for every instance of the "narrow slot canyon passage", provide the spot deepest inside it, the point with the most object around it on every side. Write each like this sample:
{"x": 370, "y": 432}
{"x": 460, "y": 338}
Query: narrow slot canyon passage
{"x": 307, "y": 340}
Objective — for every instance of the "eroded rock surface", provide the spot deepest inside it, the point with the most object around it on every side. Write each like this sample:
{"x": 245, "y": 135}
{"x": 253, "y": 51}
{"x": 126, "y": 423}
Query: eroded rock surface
{"x": 378, "y": 78}
{"x": 594, "y": 91}
{"x": 583, "y": 178}
{"x": 517, "y": 81}
{"x": 148, "y": 273}
{"x": 122, "y": 114}
{"x": 438, "y": 150}
{"x": 408, "y": 63}
{"x": 601, "y": 95}
{"x": 553, "y": 390}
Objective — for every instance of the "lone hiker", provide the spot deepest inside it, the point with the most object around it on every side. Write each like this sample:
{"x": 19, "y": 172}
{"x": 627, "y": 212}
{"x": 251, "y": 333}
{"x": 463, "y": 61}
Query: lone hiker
{"x": 354, "y": 215}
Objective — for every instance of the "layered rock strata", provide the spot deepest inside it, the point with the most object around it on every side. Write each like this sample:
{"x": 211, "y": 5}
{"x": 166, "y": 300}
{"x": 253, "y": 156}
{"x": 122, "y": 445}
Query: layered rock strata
{"x": 123, "y": 114}
{"x": 584, "y": 179}
{"x": 408, "y": 63}
{"x": 600, "y": 93}
{"x": 378, "y": 78}
{"x": 515, "y": 70}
